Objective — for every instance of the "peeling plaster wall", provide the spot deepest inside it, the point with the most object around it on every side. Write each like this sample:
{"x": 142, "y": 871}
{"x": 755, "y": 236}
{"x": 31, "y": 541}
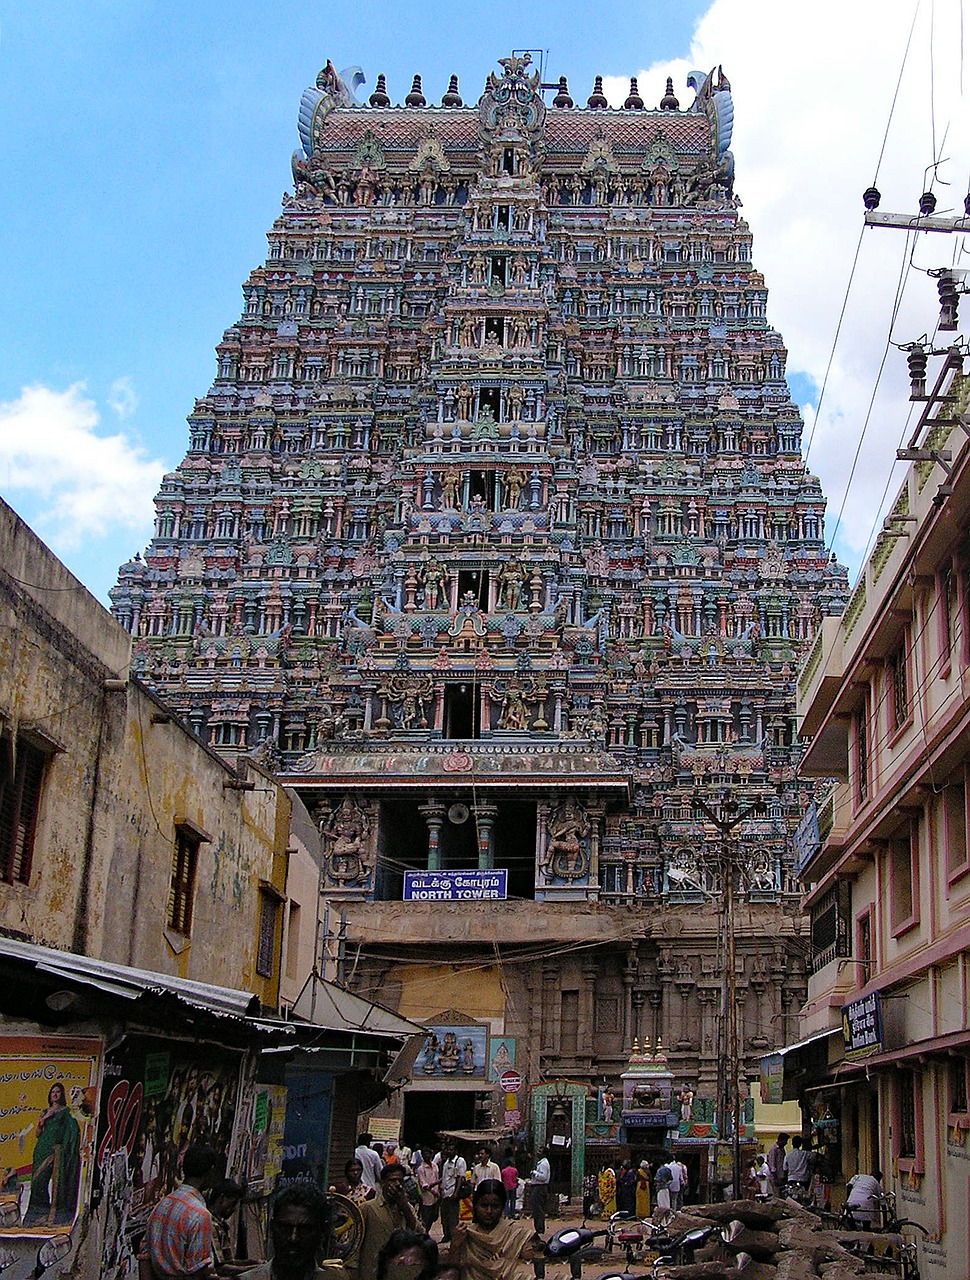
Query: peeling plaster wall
{"x": 122, "y": 775}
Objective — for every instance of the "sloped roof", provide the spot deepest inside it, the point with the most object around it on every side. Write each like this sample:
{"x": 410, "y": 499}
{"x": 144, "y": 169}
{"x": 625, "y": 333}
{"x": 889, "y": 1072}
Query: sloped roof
{"x": 335, "y": 1008}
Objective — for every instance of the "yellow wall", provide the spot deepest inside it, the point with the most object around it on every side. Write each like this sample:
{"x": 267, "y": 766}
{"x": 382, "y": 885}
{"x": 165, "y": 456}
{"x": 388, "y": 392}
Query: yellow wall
{"x": 427, "y": 990}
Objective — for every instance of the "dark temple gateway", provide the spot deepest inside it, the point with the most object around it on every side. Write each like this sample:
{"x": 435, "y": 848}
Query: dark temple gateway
{"x": 494, "y": 539}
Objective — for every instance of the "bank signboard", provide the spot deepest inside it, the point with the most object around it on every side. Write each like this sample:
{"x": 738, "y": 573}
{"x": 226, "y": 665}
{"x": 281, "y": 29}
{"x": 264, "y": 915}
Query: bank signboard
{"x": 455, "y": 886}
{"x": 862, "y": 1026}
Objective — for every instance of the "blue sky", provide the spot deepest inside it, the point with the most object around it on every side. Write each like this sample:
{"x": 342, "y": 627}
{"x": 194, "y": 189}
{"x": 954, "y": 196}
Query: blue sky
{"x": 145, "y": 148}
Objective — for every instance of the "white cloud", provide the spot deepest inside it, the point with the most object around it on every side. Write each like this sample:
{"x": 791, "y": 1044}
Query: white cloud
{"x": 812, "y": 88}
{"x": 70, "y": 483}
{"x": 122, "y": 397}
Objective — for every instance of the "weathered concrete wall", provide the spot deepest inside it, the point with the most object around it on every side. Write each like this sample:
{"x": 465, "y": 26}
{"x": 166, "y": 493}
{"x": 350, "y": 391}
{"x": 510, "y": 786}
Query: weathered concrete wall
{"x": 123, "y": 775}
{"x": 302, "y": 907}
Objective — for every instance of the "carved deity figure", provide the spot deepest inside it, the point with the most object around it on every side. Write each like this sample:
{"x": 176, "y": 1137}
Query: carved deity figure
{"x": 566, "y": 854}
{"x": 366, "y": 187}
{"x": 514, "y": 713}
{"x": 514, "y": 480}
{"x": 434, "y": 579}
{"x": 449, "y": 489}
{"x": 345, "y": 837}
{"x": 510, "y": 584}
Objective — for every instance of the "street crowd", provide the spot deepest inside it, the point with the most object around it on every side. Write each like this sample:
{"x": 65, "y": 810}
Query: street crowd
{"x": 488, "y": 1217}
{"x": 430, "y": 1215}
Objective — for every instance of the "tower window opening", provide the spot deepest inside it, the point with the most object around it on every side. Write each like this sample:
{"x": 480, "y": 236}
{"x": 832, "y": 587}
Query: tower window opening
{"x": 503, "y": 217}
{"x": 462, "y": 711}
{"x": 498, "y": 271}
{"x": 495, "y": 330}
{"x": 474, "y": 582}
{"x": 490, "y": 398}
{"x": 508, "y": 160}
{"x": 481, "y": 484}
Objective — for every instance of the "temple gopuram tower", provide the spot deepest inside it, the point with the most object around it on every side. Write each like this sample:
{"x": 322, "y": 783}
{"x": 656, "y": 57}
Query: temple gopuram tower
{"x": 494, "y": 539}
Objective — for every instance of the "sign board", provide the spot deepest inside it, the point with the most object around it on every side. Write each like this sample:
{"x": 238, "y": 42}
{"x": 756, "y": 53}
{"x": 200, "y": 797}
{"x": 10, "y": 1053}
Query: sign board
{"x": 646, "y": 1120}
{"x": 805, "y": 838}
{"x": 862, "y": 1026}
{"x": 773, "y": 1079}
{"x": 511, "y": 1081}
{"x": 455, "y": 886}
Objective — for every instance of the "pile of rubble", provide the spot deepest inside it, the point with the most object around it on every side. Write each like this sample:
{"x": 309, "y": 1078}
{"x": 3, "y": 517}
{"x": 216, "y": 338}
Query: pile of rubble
{"x": 771, "y": 1240}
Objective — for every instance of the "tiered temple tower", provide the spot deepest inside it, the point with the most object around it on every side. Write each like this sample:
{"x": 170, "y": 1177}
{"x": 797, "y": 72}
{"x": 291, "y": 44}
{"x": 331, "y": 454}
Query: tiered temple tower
{"x": 494, "y": 538}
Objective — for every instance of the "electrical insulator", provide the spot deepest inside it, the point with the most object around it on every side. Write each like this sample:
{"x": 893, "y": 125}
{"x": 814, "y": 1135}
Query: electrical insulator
{"x": 871, "y": 198}
{"x": 927, "y": 204}
{"x": 949, "y": 301}
{"x": 917, "y": 372}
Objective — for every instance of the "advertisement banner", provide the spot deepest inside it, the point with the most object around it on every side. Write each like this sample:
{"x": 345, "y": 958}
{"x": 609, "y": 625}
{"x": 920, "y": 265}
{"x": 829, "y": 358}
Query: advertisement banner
{"x": 266, "y": 1139}
{"x": 773, "y": 1078}
{"x": 48, "y": 1090}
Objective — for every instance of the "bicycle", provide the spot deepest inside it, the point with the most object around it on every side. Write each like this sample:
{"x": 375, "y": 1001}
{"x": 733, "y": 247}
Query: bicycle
{"x": 900, "y": 1257}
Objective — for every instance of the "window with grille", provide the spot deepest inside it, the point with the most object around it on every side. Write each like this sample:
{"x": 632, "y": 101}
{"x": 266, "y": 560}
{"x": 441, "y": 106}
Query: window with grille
{"x": 955, "y": 820}
{"x": 899, "y": 687}
{"x": 906, "y": 1085}
{"x": 864, "y": 950}
{"x": 862, "y": 755}
{"x": 903, "y": 879}
{"x": 958, "y": 1086}
{"x": 267, "y": 935}
{"x": 21, "y": 782}
{"x": 945, "y": 605}
{"x": 185, "y": 862}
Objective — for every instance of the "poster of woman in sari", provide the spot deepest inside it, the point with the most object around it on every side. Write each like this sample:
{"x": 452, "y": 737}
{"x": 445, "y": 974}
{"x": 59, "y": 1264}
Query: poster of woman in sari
{"x": 48, "y": 1089}
{"x": 56, "y": 1167}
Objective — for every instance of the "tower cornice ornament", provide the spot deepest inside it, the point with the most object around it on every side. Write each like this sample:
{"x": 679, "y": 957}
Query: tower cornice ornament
{"x": 511, "y": 103}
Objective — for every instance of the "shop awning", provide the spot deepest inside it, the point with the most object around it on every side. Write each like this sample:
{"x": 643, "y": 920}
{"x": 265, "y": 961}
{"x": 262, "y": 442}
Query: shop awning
{"x": 812, "y": 1039}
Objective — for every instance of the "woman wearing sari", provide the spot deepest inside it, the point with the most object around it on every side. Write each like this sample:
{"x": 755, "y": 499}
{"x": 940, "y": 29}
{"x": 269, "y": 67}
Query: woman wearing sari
{"x": 56, "y": 1167}
{"x": 491, "y": 1247}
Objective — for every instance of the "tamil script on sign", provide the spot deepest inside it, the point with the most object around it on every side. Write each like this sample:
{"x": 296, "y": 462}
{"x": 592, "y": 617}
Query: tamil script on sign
{"x": 454, "y": 886}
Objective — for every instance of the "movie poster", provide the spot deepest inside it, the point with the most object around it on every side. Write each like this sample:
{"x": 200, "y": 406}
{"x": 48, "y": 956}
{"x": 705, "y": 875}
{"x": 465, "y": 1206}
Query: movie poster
{"x": 158, "y": 1098}
{"x": 48, "y": 1090}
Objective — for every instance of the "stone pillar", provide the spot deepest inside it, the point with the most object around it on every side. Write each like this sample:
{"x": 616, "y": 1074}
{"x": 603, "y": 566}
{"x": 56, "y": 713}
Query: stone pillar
{"x": 434, "y": 816}
{"x": 485, "y": 815}
{"x": 596, "y": 813}
{"x": 629, "y": 973}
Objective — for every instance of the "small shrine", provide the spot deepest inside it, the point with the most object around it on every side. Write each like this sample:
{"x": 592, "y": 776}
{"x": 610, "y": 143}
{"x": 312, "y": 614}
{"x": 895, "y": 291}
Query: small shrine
{"x": 647, "y": 1085}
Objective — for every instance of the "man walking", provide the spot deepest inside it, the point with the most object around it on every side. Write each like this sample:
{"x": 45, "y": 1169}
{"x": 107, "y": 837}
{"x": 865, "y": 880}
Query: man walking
{"x": 370, "y": 1161}
{"x": 485, "y": 1169}
{"x": 776, "y": 1164}
{"x": 452, "y": 1170}
{"x": 676, "y": 1184}
{"x": 798, "y": 1165}
{"x": 539, "y": 1190}
{"x": 179, "y": 1238}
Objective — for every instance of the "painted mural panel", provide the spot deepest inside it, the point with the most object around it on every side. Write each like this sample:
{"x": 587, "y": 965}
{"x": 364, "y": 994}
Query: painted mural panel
{"x": 48, "y": 1088}
{"x": 456, "y": 1052}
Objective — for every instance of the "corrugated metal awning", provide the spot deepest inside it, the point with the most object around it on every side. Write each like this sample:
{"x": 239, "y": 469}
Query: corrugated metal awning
{"x": 122, "y": 981}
